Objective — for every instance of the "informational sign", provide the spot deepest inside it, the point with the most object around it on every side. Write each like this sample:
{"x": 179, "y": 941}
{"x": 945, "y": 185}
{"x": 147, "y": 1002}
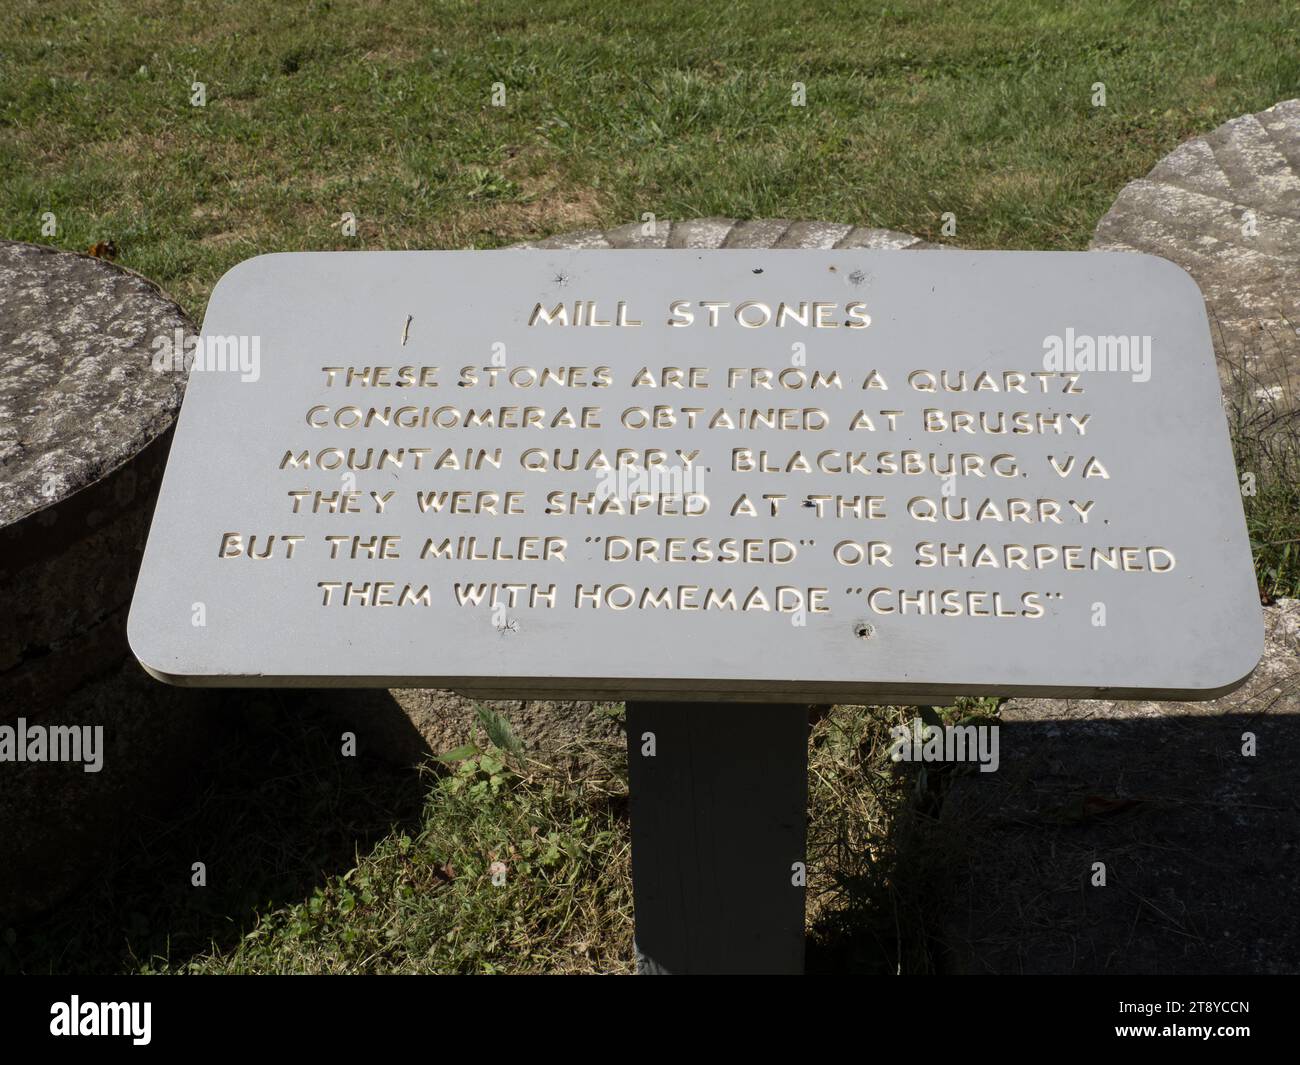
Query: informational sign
{"x": 737, "y": 474}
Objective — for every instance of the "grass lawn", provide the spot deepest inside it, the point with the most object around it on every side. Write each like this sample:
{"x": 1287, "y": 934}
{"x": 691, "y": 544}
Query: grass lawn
{"x": 385, "y": 110}
{"x": 913, "y": 109}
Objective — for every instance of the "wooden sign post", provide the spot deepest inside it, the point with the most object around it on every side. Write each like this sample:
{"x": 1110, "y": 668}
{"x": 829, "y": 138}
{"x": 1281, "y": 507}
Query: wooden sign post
{"x": 719, "y": 824}
{"x": 718, "y": 485}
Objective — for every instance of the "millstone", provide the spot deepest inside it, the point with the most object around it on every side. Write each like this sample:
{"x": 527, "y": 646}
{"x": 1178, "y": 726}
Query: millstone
{"x": 734, "y": 233}
{"x": 84, "y": 419}
{"x": 1226, "y": 208}
{"x": 85, "y": 422}
{"x": 444, "y": 719}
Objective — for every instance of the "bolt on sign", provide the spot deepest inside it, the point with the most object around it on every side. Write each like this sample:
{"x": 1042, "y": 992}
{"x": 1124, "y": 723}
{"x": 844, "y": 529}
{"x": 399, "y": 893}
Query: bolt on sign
{"x": 724, "y": 475}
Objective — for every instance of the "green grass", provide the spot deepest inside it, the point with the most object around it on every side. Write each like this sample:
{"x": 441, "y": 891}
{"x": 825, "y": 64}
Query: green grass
{"x": 507, "y": 870}
{"x": 1266, "y": 443}
{"x": 318, "y": 864}
{"x": 913, "y": 109}
{"x": 680, "y": 109}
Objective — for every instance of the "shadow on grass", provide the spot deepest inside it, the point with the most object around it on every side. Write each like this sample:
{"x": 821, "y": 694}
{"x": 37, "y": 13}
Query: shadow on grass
{"x": 271, "y": 810}
{"x": 934, "y": 868}
{"x": 999, "y": 872}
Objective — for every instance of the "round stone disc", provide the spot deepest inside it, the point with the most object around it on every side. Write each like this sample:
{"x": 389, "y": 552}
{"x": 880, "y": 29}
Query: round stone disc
{"x": 84, "y": 424}
{"x": 1226, "y": 208}
{"x": 78, "y": 392}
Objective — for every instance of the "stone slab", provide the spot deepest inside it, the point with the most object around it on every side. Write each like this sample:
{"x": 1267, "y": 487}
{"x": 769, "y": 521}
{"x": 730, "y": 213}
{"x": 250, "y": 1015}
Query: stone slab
{"x": 1226, "y": 208}
{"x": 85, "y": 421}
{"x": 84, "y": 424}
{"x": 704, "y": 233}
{"x": 78, "y": 392}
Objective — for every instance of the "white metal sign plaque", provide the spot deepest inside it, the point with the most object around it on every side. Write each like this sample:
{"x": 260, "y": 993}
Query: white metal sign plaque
{"x": 765, "y": 475}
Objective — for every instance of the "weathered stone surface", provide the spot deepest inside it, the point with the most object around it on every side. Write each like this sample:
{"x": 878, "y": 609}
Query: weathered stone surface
{"x": 757, "y": 233}
{"x": 886, "y": 239}
{"x": 636, "y": 235}
{"x": 78, "y": 392}
{"x": 84, "y": 424}
{"x": 85, "y": 421}
{"x": 1200, "y": 841}
{"x": 583, "y": 238}
{"x": 1226, "y": 208}
{"x": 733, "y": 233}
{"x": 700, "y": 233}
{"x": 814, "y": 235}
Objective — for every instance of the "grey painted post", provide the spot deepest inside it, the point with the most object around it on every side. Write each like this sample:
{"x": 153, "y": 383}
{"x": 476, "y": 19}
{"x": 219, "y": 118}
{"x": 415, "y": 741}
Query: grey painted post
{"x": 719, "y": 825}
